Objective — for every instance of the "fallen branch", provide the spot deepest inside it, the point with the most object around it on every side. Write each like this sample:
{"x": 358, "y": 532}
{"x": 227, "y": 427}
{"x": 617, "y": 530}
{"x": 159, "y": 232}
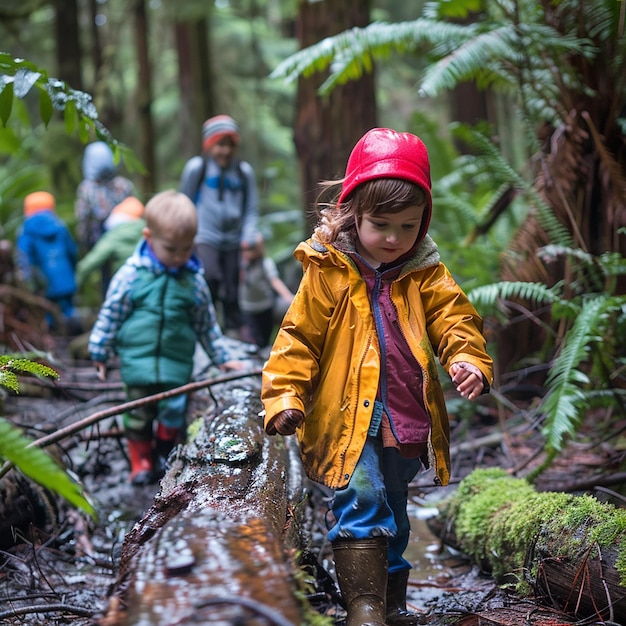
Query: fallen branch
{"x": 72, "y": 429}
{"x": 48, "y": 608}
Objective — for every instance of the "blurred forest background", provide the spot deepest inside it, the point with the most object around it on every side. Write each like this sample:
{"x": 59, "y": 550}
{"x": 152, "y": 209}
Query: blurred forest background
{"x": 156, "y": 70}
{"x": 522, "y": 104}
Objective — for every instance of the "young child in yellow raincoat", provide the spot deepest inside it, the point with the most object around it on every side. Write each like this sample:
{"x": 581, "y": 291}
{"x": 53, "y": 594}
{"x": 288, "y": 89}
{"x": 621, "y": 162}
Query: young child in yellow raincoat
{"x": 353, "y": 368}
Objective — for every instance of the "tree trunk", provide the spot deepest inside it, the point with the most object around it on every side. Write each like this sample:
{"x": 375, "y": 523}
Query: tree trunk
{"x": 563, "y": 549}
{"x": 195, "y": 80}
{"x": 96, "y": 44}
{"x": 144, "y": 100}
{"x": 68, "y": 43}
{"x": 327, "y": 128}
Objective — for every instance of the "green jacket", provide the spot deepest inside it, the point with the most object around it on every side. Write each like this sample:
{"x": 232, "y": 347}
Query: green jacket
{"x": 115, "y": 245}
{"x": 157, "y": 341}
{"x": 326, "y": 357}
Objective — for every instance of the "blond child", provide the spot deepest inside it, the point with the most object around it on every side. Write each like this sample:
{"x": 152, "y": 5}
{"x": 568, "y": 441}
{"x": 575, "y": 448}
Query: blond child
{"x": 157, "y": 307}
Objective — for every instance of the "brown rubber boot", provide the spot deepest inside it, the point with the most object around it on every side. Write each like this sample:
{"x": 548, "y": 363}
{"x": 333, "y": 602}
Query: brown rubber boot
{"x": 361, "y": 566}
{"x": 140, "y": 453}
{"x": 397, "y": 613}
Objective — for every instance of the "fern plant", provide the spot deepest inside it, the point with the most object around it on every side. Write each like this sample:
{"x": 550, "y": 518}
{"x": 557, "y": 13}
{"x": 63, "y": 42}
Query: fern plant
{"x": 561, "y": 64}
{"x": 586, "y": 364}
{"x": 20, "y": 77}
{"x": 18, "y": 451}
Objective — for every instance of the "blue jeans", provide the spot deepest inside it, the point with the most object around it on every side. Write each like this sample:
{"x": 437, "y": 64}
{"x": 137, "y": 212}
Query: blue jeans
{"x": 374, "y": 502}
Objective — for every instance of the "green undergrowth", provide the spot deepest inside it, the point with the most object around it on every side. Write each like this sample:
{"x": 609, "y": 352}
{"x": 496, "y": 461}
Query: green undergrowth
{"x": 506, "y": 526}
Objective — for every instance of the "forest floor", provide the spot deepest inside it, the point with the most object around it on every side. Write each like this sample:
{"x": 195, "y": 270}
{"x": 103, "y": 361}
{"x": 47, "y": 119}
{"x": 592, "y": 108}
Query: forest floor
{"x": 62, "y": 575}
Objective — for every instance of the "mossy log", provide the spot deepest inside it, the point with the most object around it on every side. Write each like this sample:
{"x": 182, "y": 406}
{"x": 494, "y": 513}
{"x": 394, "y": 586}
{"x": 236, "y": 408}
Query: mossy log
{"x": 219, "y": 543}
{"x": 567, "y": 551}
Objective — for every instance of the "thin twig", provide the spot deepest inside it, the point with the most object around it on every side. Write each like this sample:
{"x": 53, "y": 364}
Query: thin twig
{"x": 48, "y": 608}
{"x": 60, "y": 434}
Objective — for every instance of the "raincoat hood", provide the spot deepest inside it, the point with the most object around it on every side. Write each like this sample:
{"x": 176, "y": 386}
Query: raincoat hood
{"x": 45, "y": 224}
{"x": 98, "y": 163}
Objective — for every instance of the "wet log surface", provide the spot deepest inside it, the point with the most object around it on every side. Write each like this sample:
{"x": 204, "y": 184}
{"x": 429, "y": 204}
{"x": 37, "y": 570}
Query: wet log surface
{"x": 215, "y": 547}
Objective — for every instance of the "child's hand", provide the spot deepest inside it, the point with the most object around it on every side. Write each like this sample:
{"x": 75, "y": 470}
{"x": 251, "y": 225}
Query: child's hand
{"x": 229, "y": 366}
{"x": 467, "y": 379}
{"x": 101, "y": 370}
{"x": 285, "y": 422}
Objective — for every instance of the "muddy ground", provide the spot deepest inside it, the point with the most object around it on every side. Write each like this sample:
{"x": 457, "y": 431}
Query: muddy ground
{"x": 62, "y": 574}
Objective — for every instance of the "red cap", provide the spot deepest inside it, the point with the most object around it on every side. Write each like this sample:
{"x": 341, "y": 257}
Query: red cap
{"x": 386, "y": 153}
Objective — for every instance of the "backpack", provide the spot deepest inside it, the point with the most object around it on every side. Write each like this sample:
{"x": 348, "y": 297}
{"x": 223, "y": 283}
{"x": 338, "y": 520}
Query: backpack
{"x": 242, "y": 177}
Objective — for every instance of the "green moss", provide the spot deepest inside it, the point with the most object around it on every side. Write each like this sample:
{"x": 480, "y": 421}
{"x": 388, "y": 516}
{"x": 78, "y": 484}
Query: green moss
{"x": 501, "y": 522}
{"x": 194, "y": 428}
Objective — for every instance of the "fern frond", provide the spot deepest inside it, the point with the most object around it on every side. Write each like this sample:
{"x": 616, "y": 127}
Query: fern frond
{"x": 37, "y": 465}
{"x": 471, "y": 58}
{"x": 487, "y": 297}
{"x": 26, "y": 366}
{"x": 555, "y": 229}
{"x": 565, "y": 401}
{"x": 11, "y": 365}
{"x": 612, "y": 263}
{"x": 349, "y": 54}
{"x": 554, "y": 251}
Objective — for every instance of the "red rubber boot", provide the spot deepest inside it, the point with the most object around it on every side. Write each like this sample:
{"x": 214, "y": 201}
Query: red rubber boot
{"x": 140, "y": 453}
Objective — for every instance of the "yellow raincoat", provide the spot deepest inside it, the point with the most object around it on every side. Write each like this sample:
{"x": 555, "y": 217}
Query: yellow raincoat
{"x": 326, "y": 360}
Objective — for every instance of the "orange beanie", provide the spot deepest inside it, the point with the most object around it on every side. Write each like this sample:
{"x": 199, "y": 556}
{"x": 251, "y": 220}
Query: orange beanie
{"x": 130, "y": 206}
{"x": 38, "y": 201}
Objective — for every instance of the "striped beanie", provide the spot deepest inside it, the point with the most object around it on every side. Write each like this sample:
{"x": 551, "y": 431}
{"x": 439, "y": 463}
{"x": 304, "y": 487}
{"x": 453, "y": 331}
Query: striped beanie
{"x": 218, "y": 127}
{"x": 37, "y": 202}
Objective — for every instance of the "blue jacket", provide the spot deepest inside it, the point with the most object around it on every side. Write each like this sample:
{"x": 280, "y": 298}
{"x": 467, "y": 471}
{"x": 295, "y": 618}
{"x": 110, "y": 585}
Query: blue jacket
{"x": 46, "y": 253}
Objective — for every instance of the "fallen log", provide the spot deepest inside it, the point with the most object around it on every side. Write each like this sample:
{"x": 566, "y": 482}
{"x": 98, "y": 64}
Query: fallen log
{"x": 218, "y": 544}
{"x": 567, "y": 551}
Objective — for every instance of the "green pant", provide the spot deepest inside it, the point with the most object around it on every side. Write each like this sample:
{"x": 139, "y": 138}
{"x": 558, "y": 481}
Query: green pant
{"x": 138, "y": 423}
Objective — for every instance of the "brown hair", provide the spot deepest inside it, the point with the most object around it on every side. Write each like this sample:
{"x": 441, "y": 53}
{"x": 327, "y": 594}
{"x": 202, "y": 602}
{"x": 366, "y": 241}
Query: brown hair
{"x": 381, "y": 195}
{"x": 171, "y": 211}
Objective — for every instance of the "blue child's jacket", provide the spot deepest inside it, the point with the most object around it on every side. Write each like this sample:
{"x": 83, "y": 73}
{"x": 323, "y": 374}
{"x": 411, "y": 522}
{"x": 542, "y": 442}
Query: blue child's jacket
{"x": 47, "y": 253}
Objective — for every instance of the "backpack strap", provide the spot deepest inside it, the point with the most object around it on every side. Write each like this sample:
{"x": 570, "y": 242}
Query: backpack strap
{"x": 242, "y": 178}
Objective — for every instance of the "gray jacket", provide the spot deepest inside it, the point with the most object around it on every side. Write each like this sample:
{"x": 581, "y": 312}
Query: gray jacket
{"x": 227, "y": 201}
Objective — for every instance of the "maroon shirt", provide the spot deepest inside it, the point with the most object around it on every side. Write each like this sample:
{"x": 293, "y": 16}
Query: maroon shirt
{"x": 400, "y": 384}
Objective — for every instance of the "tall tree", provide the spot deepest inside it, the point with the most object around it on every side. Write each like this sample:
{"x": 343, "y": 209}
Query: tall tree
{"x": 195, "y": 78}
{"x": 96, "y": 45}
{"x": 68, "y": 47}
{"x": 144, "y": 99}
{"x": 327, "y": 127}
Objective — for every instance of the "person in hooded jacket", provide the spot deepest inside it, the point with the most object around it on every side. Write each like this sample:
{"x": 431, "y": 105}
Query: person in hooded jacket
{"x": 101, "y": 189}
{"x": 47, "y": 254}
{"x": 353, "y": 370}
{"x": 123, "y": 230}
